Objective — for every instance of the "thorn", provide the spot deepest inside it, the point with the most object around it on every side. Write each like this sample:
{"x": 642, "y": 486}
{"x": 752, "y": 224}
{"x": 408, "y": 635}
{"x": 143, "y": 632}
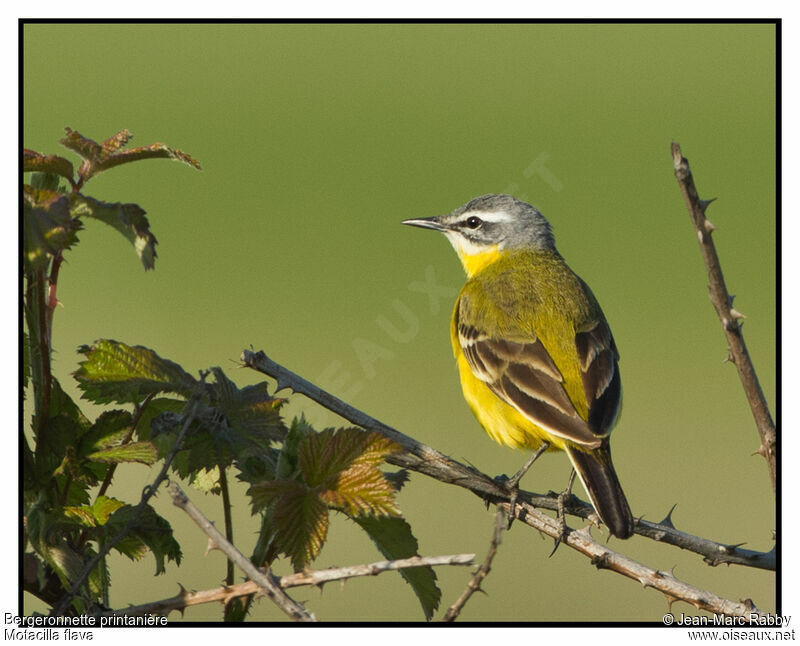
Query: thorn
{"x": 729, "y": 358}
{"x": 760, "y": 451}
{"x": 210, "y": 546}
{"x": 668, "y": 518}
{"x": 748, "y": 603}
{"x": 705, "y": 203}
{"x": 730, "y": 299}
{"x": 709, "y": 226}
{"x": 736, "y": 315}
{"x": 730, "y": 549}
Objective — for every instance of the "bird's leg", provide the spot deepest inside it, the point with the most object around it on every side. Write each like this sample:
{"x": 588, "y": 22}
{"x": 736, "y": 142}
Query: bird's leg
{"x": 560, "y": 513}
{"x": 512, "y": 483}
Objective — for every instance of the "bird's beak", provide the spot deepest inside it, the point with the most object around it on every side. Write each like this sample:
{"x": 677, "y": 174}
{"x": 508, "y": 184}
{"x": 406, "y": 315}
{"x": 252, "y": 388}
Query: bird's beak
{"x": 427, "y": 223}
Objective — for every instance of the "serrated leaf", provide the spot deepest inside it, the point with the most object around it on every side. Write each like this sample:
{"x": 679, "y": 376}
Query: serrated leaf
{"x": 65, "y": 561}
{"x": 84, "y": 146}
{"x": 26, "y": 361}
{"x": 152, "y": 151}
{"x": 96, "y": 514}
{"x": 83, "y": 514}
{"x": 128, "y": 219}
{"x": 47, "y": 182}
{"x": 287, "y": 460}
{"x": 324, "y": 455}
{"x": 109, "y": 429}
{"x": 150, "y": 531}
{"x": 394, "y": 539}
{"x": 117, "y": 141}
{"x": 62, "y": 404}
{"x": 114, "y": 371}
{"x": 48, "y": 226}
{"x": 206, "y": 480}
{"x": 102, "y": 157}
{"x": 249, "y": 410}
{"x": 300, "y": 522}
{"x": 38, "y": 163}
{"x": 153, "y": 411}
{"x": 103, "y": 507}
{"x": 142, "y": 452}
{"x": 362, "y": 489}
{"x": 397, "y": 479}
{"x": 132, "y": 547}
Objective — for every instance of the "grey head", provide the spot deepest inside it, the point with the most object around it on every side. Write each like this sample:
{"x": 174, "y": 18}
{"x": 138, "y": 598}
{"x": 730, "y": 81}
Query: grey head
{"x": 493, "y": 220}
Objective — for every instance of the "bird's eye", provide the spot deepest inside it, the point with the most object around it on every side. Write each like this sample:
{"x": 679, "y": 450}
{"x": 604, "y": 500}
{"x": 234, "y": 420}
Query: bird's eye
{"x": 473, "y": 222}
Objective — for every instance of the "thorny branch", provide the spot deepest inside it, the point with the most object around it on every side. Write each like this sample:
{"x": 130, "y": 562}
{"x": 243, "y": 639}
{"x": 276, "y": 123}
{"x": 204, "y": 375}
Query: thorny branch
{"x": 224, "y": 594}
{"x": 429, "y": 461}
{"x": 474, "y": 584}
{"x": 729, "y": 316}
{"x": 263, "y": 580}
{"x": 149, "y": 492}
{"x": 424, "y": 459}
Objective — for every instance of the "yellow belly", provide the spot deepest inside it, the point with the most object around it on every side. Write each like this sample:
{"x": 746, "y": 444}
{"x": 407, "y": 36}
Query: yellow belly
{"x": 504, "y": 423}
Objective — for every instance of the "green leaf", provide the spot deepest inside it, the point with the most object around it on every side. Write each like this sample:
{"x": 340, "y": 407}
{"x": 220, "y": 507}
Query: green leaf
{"x": 36, "y": 162}
{"x": 343, "y": 465}
{"x": 287, "y": 460}
{"x": 397, "y": 479}
{"x": 48, "y": 226}
{"x": 128, "y": 219}
{"x": 96, "y": 514}
{"x": 207, "y": 480}
{"x": 300, "y": 519}
{"x": 26, "y": 361}
{"x": 150, "y": 531}
{"x": 103, "y": 507}
{"x": 323, "y": 456}
{"x": 362, "y": 489}
{"x": 394, "y": 539}
{"x": 114, "y": 371}
{"x": 250, "y": 410}
{"x": 65, "y": 561}
{"x": 83, "y": 514}
{"x": 142, "y": 452}
{"x": 152, "y": 411}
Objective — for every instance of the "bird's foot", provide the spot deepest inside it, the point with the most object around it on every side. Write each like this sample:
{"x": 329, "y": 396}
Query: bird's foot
{"x": 511, "y": 485}
{"x": 561, "y": 504}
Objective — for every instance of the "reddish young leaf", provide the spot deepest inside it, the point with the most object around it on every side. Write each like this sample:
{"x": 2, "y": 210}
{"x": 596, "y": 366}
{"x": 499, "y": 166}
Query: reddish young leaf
{"x": 33, "y": 162}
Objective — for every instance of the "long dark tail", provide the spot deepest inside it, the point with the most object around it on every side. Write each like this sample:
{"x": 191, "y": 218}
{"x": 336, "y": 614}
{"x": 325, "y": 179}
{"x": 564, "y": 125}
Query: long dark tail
{"x": 597, "y": 474}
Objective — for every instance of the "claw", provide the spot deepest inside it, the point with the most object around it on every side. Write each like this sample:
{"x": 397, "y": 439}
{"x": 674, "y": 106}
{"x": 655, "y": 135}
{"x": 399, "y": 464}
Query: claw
{"x": 512, "y": 484}
{"x": 561, "y": 501}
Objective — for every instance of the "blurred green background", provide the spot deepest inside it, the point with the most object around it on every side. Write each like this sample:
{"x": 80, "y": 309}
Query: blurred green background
{"x": 315, "y": 141}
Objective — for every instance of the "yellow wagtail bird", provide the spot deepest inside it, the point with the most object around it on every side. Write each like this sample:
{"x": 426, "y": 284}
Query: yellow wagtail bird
{"x": 537, "y": 361}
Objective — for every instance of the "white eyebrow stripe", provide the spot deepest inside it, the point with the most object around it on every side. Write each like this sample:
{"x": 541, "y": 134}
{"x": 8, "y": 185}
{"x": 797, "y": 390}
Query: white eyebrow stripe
{"x": 489, "y": 216}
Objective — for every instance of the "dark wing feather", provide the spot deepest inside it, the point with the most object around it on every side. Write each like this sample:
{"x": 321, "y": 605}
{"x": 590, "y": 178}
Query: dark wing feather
{"x": 598, "y": 357}
{"x": 524, "y": 376}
